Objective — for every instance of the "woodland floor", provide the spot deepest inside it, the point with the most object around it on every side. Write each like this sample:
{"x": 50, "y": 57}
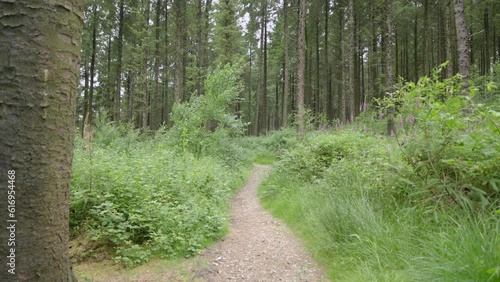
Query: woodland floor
{"x": 257, "y": 248}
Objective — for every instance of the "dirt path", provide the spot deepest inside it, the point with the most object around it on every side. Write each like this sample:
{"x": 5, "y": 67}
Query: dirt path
{"x": 258, "y": 247}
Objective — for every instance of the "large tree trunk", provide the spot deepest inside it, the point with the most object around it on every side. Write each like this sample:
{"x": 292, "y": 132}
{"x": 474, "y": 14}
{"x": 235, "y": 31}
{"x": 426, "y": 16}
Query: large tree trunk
{"x": 40, "y": 43}
{"x": 301, "y": 66}
{"x": 462, "y": 40}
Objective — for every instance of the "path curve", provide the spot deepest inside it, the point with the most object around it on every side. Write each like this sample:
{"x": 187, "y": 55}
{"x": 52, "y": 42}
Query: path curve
{"x": 258, "y": 247}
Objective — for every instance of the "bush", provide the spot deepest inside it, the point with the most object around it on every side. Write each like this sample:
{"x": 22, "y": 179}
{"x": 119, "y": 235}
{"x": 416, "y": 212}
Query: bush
{"x": 345, "y": 195}
{"x": 450, "y": 142}
{"x": 165, "y": 196}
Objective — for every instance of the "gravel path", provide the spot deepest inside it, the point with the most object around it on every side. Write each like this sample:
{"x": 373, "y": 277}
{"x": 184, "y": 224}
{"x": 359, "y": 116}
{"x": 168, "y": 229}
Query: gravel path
{"x": 258, "y": 247}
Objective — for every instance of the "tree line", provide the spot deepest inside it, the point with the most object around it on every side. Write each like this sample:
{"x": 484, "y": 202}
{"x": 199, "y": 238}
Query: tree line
{"x": 139, "y": 57}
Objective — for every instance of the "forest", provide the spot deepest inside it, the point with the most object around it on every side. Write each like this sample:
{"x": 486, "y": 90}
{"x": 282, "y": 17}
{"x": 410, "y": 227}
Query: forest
{"x": 379, "y": 122}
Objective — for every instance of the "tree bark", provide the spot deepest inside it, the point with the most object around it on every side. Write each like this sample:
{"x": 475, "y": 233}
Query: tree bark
{"x": 180, "y": 35}
{"x": 117, "y": 99}
{"x": 389, "y": 72}
{"x": 462, "y": 40}
{"x": 301, "y": 56}
{"x": 286, "y": 86}
{"x": 352, "y": 59}
{"x": 39, "y": 69}
{"x": 449, "y": 44}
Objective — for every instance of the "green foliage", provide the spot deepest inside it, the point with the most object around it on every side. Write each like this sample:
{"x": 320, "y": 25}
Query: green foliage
{"x": 268, "y": 148}
{"x": 143, "y": 197}
{"x": 164, "y": 196}
{"x": 451, "y": 142}
{"x": 204, "y": 122}
{"x": 344, "y": 194}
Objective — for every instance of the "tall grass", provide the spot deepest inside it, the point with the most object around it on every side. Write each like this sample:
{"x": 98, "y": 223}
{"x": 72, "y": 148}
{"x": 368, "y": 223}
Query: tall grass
{"x": 347, "y": 201}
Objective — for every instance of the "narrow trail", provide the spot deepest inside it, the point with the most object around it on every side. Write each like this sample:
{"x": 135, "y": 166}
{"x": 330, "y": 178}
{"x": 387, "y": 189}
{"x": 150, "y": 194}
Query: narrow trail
{"x": 258, "y": 247}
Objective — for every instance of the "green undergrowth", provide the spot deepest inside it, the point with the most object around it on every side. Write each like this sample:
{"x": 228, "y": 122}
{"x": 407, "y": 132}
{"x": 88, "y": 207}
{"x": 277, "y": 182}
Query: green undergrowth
{"x": 135, "y": 196}
{"x": 343, "y": 194}
{"x": 420, "y": 206}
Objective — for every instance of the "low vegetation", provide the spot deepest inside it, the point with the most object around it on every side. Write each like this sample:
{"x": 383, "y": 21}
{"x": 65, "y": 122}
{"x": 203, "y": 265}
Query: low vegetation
{"x": 419, "y": 207}
{"x": 135, "y": 196}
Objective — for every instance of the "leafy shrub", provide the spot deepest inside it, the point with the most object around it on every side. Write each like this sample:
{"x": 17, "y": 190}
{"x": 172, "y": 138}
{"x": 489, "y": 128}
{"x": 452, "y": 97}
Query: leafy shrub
{"x": 451, "y": 143}
{"x": 165, "y": 196}
{"x": 196, "y": 121}
{"x": 344, "y": 193}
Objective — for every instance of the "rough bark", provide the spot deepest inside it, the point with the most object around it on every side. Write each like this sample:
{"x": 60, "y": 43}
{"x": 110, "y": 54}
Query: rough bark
{"x": 389, "y": 71}
{"x": 286, "y": 86}
{"x": 352, "y": 58}
{"x": 301, "y": 56}
{"x": 180, "y": 35}
{"x": 117, "y": 98}
{"x": 40, "y": 43}
{"x": 462, "y": 40}
{"x": 449, "y": 44}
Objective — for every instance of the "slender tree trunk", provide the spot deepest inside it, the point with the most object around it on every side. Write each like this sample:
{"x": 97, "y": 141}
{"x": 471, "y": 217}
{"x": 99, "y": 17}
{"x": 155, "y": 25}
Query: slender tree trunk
{"x": 180, "y": 30}
{"x": 415, "y": 49}
{"x": 155, "y": 96}
{"x": 264, "y": 111}
{"x": 258, "y": 98}
{"x": 146, "y": 96}
{"x": 199, "y": 47}
{"x": 110, "y": 91}
{"x": 343, "y": 103}
{"x": 166, "y": 62}
{"x": 85, "y": 93}
{"x": 486, "y": 57}
{"x": 250, "y": 92}
{"x": 328, "y": 84}
{"x": 389, "y": 79}
{"x": 39, "y": 80}
{"x": 425, "y": 43}
{"x": 301, "y": 65}
{"x": 317, "y": 91}
{"x": 449, "y": 45}
{"x": 352, "y": 59}
{"x": 117, "y": 105}
{"x": 462, "y": 40}
{"x": 90, "y": 106}
{"x": 286, "y": 86}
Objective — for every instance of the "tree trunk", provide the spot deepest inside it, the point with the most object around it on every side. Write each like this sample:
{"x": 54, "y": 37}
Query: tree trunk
{"x": 328, "y": 84}
{"x": 264, "y": 114}
{"x": 301, "y": 56}
{"x": 486, "y": 57}
{"x": 389, "y": 72}
{"x": 39, "y": 69}
{"x": 117, "y": 104}
{"x": 462, "y": 40}
{"x": 352, "y": 58}
{"x": 343, "y": 104}
{"x": 286, "y": 86}
{"x": 449, "y": 44}
{"x": 180, "y": 34}
{"x": 89, "y": 103}
{"x": 156, "y": 115}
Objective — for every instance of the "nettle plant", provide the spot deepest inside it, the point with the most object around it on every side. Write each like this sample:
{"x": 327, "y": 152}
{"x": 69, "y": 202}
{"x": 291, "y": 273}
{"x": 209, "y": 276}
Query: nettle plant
{"x": 451, "y": 142}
